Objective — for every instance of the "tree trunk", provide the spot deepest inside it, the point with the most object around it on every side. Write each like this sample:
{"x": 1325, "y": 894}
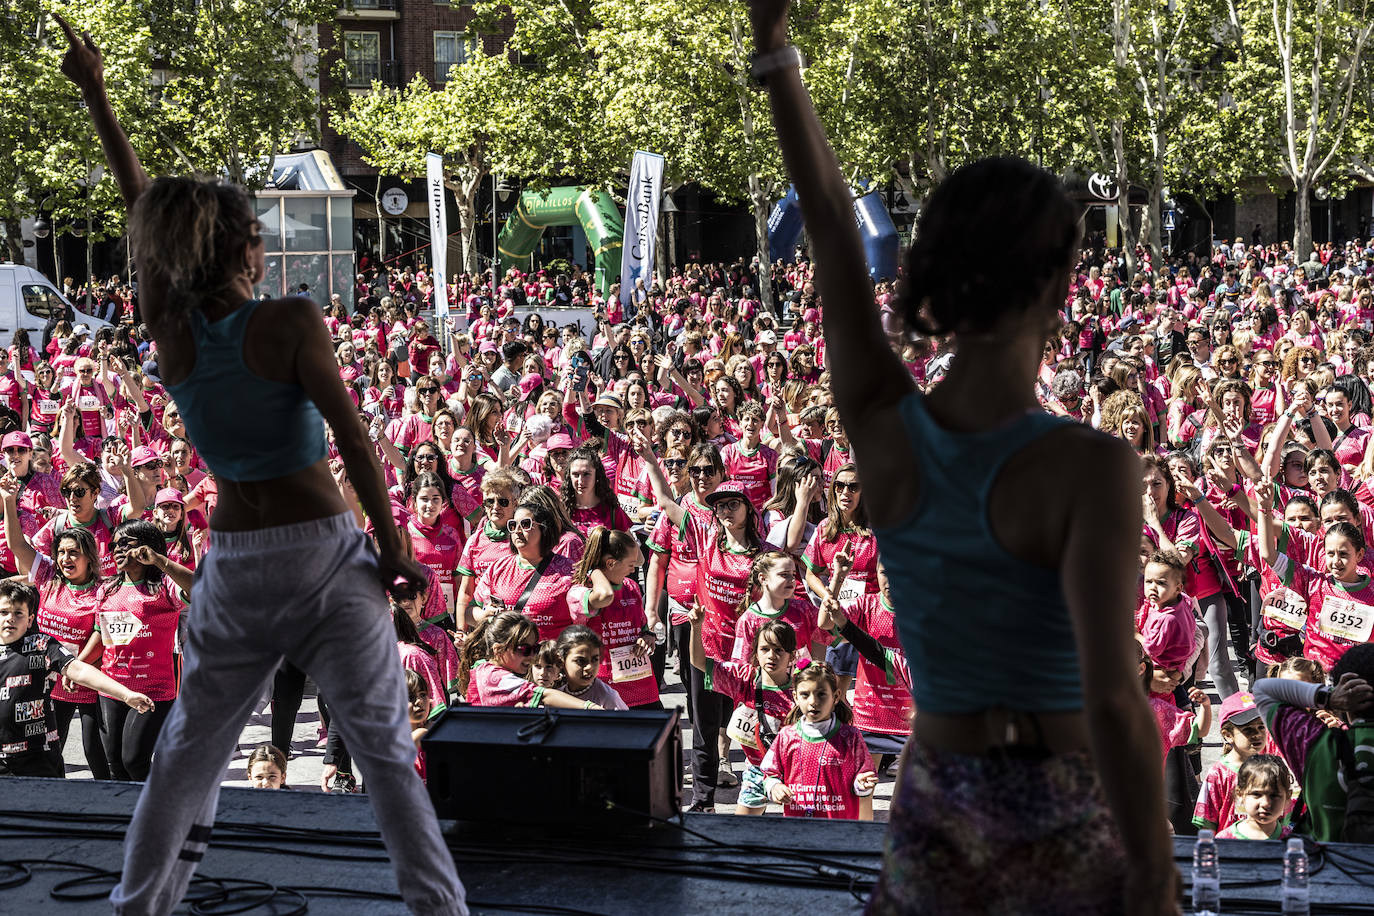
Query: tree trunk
{"x": 761, "y": 207}
{"x": 14, "y": 243}
{"x": 1153, "y": 221}
{"x": 1302, "y": 220}
{"x": 467, "y": 228}
{"x": 1123, "y": 197}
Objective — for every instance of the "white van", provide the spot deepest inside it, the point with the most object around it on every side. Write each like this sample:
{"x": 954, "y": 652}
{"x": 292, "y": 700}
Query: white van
{"x": 28, "y": 299}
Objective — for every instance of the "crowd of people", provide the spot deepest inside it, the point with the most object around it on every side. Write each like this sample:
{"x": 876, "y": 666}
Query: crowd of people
{"x": 675, "y": 483}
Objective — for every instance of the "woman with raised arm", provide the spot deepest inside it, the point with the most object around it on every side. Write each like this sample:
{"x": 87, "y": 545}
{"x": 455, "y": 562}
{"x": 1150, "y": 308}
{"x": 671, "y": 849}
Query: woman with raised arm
{"x": 292, "y": 575}
{"x": 983, "y": 508}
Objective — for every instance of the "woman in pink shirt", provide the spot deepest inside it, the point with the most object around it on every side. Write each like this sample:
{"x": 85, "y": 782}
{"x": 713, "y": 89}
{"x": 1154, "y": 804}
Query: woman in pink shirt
{"x": 589, "y": 496}
{"x": 500, "y": 491}
{"x": 138, "y": 611}
{"x": 533, "y": 580}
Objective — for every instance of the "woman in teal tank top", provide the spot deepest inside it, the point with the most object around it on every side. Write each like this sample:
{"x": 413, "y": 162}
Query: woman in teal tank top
{"x": 1031, "y": 783}
{"x": 291, "y": 574}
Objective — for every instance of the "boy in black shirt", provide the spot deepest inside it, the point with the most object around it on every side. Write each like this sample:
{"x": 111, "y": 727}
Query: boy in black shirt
{"x": 30, "y": 663}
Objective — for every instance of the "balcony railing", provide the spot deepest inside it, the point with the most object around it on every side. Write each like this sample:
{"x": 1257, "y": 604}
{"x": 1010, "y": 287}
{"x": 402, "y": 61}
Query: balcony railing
{"x": 362, "y": 73}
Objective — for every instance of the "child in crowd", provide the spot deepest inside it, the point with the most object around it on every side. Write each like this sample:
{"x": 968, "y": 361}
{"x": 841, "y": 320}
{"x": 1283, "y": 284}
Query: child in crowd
{"x": 547, "y": 670}
{"x": 1177, "y": 728}
{"x": 267, "y": 767}
{"x": 1244, "y": 735}
{"x": 760, "y": 688}
{"x": 818, "y": 765}
{"x": 1263, "y": 794}
{"x": 421, "y": 709}
{"x": 579, "y": 648}
{"x": 30, "y": 663}
{"x": 497, "y": 657}
{"x": 770, "y": 594}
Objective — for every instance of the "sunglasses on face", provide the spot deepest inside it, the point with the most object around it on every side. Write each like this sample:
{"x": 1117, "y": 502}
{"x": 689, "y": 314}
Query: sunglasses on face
{"x": 1227, "y": 362}
{"x": 1307, "y": 359}
{"x": 524, "y": 649}
{"x": 426, "y": 391}
{"x": 520, "y": 524}
{"x": 75, "y": 492}
{"x": 125, "y": 543}
{"x": 844, "y": 486}
{"x": 729, "y": 505}
{"x": 704, "y": 470}
{"x": 674, "y": 464}
{"x": 501, "y": 501}
{"x": 427, "y": 456}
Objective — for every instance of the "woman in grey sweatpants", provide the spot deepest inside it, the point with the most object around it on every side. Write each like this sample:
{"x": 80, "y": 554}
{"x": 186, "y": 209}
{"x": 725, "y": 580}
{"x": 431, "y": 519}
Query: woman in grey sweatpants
{"x": 291, "y": 574}
{"x": 338, "y": 631}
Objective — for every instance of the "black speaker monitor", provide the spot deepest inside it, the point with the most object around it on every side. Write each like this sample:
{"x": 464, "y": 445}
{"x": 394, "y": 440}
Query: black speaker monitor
{"x": 545, "y": 766}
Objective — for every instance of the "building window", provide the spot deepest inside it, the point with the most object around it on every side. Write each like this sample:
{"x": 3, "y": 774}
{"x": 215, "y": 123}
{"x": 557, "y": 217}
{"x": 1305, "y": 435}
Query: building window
{"x": 363, "y": 54}
{"x": 450, "y": 49}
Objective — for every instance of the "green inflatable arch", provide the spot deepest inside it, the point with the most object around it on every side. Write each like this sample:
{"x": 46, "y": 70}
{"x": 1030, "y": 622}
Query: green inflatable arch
{"x": 595, "y": 210}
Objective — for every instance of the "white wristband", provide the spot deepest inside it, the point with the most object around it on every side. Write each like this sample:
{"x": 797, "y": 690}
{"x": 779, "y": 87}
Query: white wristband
{"x": 778, "y": 59}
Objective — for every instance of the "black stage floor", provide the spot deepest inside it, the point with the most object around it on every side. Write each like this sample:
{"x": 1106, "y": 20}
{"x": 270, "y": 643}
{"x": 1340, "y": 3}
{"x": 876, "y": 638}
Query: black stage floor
{"x": 326, "y": 848}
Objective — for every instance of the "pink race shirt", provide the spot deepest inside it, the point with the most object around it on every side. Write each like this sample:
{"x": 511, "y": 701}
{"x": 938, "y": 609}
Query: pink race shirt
{"x": 721, "y": 577}
{"x": 820, "y": 772}
{"x": 1339, "y": 614}
{"x": 438, "y": 546}
{"x": 619, "y": 625}
{"x": 547, "y": 607}
{"x": 492, "y": 685}
{"x": 743, "y": 684}
{"x": 799, "y": 614}
{"x": 67, "y": 613}
{"x": 138, "y": 625}
{"x": 753, "y": 469}
{"x": 413, "y": 658}
{"x": 484, "y": 547}
{"x": 882, "y": 702}
{"x": 1216, "y": 802}
{"x": 863, "y": 577}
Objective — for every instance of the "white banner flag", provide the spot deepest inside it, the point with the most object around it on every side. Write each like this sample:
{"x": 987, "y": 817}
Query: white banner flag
{"x": 641, "y": 222}
{"x": 438, "y": 234}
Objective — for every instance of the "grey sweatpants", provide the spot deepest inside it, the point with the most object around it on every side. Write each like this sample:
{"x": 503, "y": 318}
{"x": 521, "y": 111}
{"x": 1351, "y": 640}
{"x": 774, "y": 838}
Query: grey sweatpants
{"x": 309, "y": 593}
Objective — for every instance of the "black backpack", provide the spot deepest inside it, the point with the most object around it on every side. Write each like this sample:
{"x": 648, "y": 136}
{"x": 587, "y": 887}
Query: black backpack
{"x": 1359, "y": 793}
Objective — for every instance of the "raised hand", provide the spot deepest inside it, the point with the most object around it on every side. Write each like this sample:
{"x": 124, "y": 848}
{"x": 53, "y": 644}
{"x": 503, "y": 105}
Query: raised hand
{"x": 83, "y": 63}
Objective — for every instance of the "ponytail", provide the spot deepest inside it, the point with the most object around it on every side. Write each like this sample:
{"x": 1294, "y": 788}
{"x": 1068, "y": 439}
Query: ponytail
{"x": 407, "y": 631}
{"x": 602, "y": 544}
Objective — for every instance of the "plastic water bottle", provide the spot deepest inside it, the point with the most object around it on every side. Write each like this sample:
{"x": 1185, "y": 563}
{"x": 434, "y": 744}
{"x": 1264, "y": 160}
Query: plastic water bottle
{"x": 1206, "y": 875}
{"x": 1293, "y": 896}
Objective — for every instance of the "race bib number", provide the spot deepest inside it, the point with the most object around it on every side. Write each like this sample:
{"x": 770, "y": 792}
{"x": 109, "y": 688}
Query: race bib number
{"x": 1285, "y": 606}
{"x": 46, "y": 406}
{"x": 744, "y": 727}
{"x": 118, "y": 628}
{"x": 1342, "y": 618}
{"x": 450, "y": 590}
{"x": 88, "y": 402}
{"x": 626, "y": 667}
{"x": 630, "y": 505}
{"x": 851, "y": 590}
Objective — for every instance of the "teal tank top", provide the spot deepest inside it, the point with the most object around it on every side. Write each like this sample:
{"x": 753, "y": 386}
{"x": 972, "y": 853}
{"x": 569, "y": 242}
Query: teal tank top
{"x": 981, "y": 629}
{"x": 245, "y": 427}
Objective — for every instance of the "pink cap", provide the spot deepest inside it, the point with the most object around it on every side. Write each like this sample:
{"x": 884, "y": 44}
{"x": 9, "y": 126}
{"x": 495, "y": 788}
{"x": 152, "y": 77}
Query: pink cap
{"x": 530, "y": 384}
{"x": 488, "y": 347}
{"x": 143, "y": 455}
{"x": 559, "y": 440}
{"x": 1239, "y": 709}
{"x": 727, "y": 489}
{"x": 16, "y": 439}
{"x": 169, "y": 495}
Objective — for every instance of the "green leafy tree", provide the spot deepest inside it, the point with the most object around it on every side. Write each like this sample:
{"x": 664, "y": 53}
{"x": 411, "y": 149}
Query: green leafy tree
{"x": 1297, "y": 93}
